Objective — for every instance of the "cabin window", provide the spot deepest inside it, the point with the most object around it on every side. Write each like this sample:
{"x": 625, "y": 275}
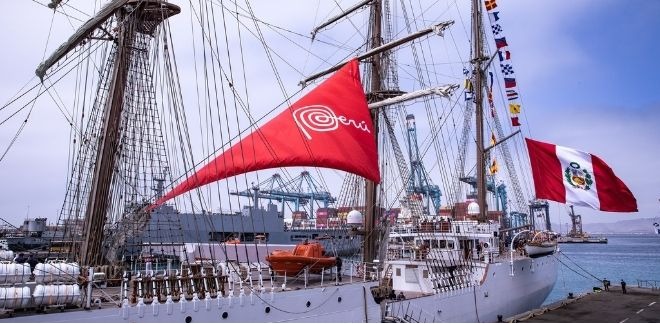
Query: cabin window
{"x": 425, "y": 274}
{"x": 450, "y": 245}
{"x": 298, "y": 237}
{"x": 443, "y": 244}
{"x": 411, "y": 274}
{"x": 398, "y": 272}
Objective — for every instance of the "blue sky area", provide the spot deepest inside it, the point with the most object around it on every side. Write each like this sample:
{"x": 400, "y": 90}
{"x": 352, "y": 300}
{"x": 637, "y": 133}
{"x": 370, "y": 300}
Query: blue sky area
{"x": 588, "y": 75}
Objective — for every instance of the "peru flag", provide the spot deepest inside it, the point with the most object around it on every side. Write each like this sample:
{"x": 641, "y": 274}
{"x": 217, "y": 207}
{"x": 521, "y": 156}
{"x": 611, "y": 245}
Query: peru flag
{"x": 574, "y": 177}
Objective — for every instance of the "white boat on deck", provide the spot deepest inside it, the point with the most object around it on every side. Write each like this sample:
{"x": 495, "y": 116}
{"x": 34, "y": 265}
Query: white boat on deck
{"x": 542, "y": 243}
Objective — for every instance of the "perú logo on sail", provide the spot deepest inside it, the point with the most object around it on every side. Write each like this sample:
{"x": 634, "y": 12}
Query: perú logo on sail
{"x": 320, "y": 118}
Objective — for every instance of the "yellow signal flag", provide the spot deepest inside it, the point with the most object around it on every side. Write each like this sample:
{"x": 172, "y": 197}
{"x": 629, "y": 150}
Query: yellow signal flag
{"x": 514, "y": 108}
{"x": 494, "y": 167}
{"x": 468, "y": 85}
{"x": 493, "y": 140}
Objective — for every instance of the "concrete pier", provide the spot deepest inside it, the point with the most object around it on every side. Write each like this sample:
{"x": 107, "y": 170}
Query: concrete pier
{"x": 639, "y": 305}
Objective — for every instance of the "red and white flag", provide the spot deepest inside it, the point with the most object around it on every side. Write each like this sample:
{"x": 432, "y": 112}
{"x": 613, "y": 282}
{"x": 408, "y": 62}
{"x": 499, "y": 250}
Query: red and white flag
{"x": 574, "y": 177}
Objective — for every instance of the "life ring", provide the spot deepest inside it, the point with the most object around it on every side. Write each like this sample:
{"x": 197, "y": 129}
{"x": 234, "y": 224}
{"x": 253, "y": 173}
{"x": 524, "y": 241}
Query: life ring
{"x": 486, "y": 245}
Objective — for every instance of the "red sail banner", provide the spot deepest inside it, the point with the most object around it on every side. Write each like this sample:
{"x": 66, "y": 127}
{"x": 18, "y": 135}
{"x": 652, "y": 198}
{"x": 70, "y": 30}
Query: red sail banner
{"x": 329, "y": 127}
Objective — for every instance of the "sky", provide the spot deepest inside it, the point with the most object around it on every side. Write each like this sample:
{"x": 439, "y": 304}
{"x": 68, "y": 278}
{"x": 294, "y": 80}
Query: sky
{"x": 587, "y": 72}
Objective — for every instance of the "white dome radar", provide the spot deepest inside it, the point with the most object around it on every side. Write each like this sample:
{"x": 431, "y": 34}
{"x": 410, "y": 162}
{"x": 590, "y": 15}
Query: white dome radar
{"x": 473, "y": 208}
{"x": 354, "y": 217}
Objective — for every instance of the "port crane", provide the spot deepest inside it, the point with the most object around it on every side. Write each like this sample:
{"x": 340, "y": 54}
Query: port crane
{"x": 419, "y": 184}
{"x": 302, "y": 190}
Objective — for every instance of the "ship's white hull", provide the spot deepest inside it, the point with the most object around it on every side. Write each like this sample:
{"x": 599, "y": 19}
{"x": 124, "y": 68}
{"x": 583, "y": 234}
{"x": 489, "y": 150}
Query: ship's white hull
{"x": 344, "y": 303}
{"x": 500, "y": 293}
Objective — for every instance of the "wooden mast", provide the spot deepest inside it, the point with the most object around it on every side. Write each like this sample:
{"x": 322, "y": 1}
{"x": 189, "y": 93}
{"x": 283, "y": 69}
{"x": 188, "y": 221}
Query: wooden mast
{"x": 477, "y": 60}
{"x": 135, "y": 17}
{"x": 372, "y": 210}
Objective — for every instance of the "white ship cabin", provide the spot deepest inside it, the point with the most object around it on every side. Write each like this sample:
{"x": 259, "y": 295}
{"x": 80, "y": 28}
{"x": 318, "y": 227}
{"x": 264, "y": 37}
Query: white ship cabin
{"x": 440, "y": 255}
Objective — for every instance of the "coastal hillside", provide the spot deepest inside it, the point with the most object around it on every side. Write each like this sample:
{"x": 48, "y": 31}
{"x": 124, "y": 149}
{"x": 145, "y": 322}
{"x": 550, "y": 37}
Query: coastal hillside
{"x": 628, "y": 226}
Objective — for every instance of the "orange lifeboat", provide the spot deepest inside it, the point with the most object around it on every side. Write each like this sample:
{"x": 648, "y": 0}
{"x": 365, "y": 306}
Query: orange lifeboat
{"x": 304, "y": 254}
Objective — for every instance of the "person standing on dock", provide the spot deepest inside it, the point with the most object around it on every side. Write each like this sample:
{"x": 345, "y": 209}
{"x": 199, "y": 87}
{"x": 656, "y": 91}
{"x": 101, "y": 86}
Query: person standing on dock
{"x": 339, "y": 264}
{"x": 606, "y": 284}
{"x": 623, "y": 286}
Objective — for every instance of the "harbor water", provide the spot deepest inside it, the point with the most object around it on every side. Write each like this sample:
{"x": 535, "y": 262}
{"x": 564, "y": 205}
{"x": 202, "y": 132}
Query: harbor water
{"x": 628, "y": 257}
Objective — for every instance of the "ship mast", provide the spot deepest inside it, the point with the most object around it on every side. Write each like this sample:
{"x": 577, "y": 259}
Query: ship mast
{"x": 477, "y": 70}
{"x": 379, "y": 97}
{"x": 135, "y": 17}
{"x": 371, "y": 204}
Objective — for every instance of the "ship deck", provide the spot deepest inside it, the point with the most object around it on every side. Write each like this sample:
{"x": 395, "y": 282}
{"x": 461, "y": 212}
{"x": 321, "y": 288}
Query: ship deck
{"x": 639, "y": 305}
{"x": 112, "y": 296}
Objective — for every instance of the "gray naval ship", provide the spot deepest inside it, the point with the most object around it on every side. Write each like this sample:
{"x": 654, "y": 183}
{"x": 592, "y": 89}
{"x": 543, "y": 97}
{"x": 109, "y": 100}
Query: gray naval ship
{"x": 253, "y": 228}
{"x": 257, "y": 230}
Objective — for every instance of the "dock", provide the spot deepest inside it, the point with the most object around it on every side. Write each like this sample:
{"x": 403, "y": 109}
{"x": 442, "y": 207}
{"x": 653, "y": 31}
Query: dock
{"x": 639, "y": 305}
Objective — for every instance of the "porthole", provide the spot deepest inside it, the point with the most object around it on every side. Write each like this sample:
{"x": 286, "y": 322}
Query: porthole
{"x": 308, "y": 303}
{"x": 339, "y": 299}
{"x": 188, "y": 319}
{"x": 225, "y": 315}
{"x": 267, "y": 309}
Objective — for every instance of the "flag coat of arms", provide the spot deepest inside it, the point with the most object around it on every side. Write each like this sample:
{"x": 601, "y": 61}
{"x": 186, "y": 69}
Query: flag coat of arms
{"x": 574, "y": 177}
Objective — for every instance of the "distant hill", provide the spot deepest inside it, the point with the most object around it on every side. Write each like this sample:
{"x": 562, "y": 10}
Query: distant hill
{"x": 629, "y": 226}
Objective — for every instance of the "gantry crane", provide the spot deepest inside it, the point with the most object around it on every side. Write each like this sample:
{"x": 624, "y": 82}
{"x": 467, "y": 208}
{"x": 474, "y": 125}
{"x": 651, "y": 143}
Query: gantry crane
{"x": 419, "y": 183}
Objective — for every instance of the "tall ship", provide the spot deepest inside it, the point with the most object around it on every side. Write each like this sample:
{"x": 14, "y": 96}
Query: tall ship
{"x": 427, "y": 227}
